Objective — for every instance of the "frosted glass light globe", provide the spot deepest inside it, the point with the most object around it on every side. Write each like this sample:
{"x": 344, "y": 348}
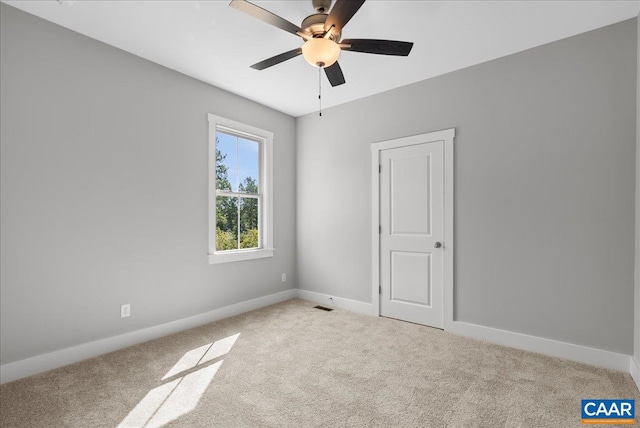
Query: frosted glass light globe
{"x": 320, "y": 52}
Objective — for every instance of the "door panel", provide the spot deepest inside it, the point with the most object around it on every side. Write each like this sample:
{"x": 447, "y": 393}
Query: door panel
{"x": 409, "y": 273}
{"x": 410, "y": 211}
{"x": 412, "y": 222}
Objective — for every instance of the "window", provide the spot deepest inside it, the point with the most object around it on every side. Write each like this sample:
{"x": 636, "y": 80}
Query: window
{"x": 240, "y": 210}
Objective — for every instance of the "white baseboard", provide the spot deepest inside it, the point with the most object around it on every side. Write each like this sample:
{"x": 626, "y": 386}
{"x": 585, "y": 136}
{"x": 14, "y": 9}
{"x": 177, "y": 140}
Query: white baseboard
{"x": 554, "y": 348}
{"x": 337, "y": 302}
{"x": 52, "y": 360}
{"x": 634, "y": 369}
{"x": 63, "y": 357}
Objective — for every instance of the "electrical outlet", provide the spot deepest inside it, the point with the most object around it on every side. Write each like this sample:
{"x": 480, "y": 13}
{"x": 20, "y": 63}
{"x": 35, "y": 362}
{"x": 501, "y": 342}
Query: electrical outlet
{"x": 125, "y": 310}
{"x": 284, "y": 277}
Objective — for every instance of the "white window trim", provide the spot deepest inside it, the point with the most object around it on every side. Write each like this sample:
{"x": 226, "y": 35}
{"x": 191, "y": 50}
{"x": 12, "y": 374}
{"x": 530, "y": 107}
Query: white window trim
{"x": 266, "y": 187}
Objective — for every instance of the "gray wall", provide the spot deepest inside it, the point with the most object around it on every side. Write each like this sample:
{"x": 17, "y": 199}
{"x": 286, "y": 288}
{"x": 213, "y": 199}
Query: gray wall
{"x": 544, "y": 187}
{"x": 104, "y": 192}
{"x": 637, "y": 254}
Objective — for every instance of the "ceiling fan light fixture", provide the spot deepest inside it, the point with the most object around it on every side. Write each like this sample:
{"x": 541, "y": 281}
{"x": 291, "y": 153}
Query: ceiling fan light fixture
{"x": 320, "y": 52}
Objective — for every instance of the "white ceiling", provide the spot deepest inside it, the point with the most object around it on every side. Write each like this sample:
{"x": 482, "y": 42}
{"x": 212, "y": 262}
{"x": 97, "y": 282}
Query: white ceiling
{"x": 212, "y": 42}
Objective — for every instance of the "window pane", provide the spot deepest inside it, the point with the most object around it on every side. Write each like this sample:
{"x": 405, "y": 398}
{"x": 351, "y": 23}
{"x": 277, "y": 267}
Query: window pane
{"x": 249, "y": 223}
{"x": 226, "y": 162}
{"x": 226, "y": 223}
{"x": 248, "y": 165}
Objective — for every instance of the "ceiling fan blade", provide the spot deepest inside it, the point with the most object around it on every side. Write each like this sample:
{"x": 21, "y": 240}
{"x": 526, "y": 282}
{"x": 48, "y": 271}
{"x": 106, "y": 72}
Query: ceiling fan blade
{"x": 276, "y": 59}
{"x": 265, "y": 15}
{"x": 380, "y": 47}
{"x": 341, "y": 13}
{"x": 334, "y": 74}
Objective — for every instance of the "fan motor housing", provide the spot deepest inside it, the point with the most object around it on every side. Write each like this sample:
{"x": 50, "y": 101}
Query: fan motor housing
{"x": 314, "y": 25}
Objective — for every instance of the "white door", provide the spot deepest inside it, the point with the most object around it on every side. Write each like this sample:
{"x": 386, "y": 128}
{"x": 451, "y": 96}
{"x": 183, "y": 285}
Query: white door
{"x": 412, "y": 232}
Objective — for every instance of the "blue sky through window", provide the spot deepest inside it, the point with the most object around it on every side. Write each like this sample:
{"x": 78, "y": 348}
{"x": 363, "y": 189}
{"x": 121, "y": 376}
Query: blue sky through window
{"x": 241, "y": 157}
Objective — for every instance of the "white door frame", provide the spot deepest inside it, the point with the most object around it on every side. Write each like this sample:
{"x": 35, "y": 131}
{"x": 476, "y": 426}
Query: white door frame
{"x": 446, "y": 136}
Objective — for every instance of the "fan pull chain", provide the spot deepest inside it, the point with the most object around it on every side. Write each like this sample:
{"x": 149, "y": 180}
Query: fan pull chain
{"x": 320, "y": 89}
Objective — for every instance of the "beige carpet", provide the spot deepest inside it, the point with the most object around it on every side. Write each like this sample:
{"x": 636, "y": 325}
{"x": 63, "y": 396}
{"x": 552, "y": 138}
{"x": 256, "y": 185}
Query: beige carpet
{"x": 295, "y": 366}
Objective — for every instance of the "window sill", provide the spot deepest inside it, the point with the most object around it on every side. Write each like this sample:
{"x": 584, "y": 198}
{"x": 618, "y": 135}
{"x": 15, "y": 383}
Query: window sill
{"x": 238, "y": 256}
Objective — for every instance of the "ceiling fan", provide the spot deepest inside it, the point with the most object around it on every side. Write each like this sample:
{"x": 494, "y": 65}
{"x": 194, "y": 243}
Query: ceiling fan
{"x": 322, "y": 33}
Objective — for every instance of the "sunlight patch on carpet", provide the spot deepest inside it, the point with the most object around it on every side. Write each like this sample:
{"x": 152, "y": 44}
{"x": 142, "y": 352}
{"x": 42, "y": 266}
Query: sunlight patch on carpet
{"x": 176, "y": 398}
{"x": 202, "y": 354}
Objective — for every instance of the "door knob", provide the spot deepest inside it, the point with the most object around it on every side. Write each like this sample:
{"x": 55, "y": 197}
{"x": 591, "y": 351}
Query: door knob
{"x": 437, "y": 245}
